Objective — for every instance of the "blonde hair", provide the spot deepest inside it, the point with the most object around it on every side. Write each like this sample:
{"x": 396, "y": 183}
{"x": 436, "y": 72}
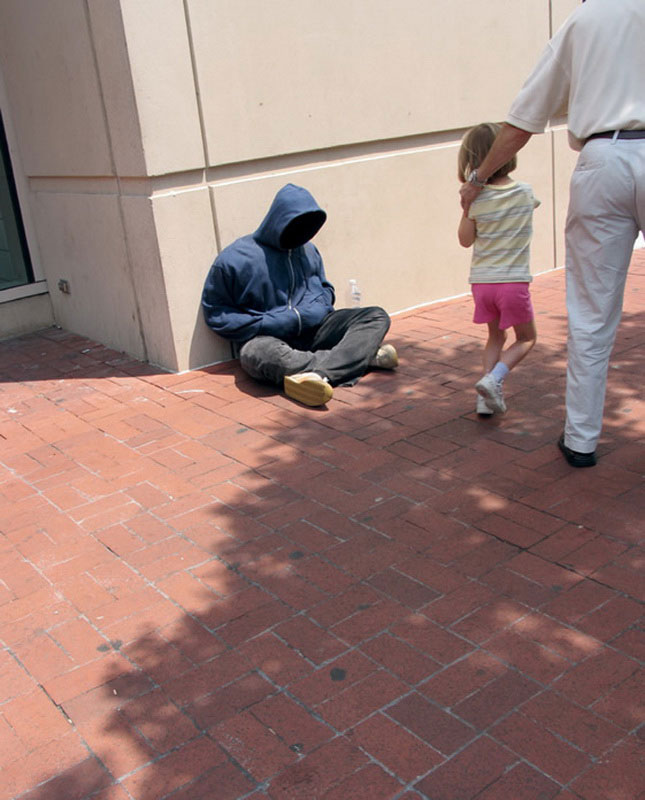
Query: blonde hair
{"x": 474, "y": 149}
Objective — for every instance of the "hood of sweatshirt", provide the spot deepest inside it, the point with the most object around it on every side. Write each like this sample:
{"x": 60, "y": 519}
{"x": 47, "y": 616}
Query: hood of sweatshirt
{"x": 292, "y": 220}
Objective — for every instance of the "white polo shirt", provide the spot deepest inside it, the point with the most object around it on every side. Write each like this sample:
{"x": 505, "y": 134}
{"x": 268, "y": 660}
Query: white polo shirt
{"x": 593, "y": 68}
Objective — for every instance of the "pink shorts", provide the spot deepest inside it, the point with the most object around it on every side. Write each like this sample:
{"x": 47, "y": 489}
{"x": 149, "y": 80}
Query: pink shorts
{"x": 510, "y": 303}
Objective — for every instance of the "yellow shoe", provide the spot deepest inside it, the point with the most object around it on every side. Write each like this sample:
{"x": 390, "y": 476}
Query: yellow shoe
{"x": 309, "y": 388}
{"x": 386, "y": 357}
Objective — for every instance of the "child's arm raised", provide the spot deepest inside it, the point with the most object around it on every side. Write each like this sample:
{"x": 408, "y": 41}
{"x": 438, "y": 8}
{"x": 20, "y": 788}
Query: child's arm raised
{"x": 467, "y": 231}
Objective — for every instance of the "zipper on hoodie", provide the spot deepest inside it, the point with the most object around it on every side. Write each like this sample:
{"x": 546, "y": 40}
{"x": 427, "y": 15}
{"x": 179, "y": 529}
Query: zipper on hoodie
{"x": 292, "y": 285}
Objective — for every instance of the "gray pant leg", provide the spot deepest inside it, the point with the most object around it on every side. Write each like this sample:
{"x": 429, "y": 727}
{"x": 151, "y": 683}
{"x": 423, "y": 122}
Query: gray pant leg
{"x": 347, "y": 341}
{"x": 268, "y": 359}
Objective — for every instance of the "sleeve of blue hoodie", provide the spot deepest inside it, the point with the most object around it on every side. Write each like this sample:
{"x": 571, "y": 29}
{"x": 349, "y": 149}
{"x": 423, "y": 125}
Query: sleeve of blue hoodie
{"x": 259, "y": 287}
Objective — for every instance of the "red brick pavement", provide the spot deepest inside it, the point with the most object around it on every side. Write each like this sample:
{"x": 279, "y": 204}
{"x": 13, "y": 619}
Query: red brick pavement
{"x": 210, "y": 592}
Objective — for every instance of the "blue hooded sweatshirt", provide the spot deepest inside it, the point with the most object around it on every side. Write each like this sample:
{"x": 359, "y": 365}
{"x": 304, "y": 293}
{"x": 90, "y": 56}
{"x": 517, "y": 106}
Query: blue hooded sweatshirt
{"x": 271, "y": 282}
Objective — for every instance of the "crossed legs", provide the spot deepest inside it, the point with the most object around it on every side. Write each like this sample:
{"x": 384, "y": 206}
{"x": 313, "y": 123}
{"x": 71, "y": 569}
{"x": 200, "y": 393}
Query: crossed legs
{"x": 340, "y": 351}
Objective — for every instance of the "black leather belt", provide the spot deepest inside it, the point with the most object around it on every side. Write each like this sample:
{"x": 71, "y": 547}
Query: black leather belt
{"x": 631, "y": 134}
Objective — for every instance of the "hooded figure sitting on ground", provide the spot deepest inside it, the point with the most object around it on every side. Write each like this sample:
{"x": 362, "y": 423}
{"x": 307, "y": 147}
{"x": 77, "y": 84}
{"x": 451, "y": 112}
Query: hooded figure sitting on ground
{"x": 267, "y": 293}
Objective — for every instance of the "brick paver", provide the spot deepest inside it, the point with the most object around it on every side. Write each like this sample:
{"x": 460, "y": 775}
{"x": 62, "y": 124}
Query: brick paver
{"x": 208, "y": 592}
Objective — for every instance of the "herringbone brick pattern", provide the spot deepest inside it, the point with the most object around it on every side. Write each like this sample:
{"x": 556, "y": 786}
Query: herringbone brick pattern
{"x": 208, "y": 592}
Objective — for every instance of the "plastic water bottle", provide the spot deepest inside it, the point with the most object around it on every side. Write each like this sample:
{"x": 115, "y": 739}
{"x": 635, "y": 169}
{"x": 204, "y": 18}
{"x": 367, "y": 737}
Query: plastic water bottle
{"x": 355, "y": 293}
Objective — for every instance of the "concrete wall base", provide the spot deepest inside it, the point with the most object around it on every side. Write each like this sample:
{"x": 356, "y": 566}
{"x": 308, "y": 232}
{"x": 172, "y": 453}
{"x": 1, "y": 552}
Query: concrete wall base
{"x": 26, "y": 315}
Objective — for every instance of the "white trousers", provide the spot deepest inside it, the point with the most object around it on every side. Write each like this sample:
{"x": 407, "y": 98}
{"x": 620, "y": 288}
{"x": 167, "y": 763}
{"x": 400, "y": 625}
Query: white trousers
{"x": 606, "y": 211}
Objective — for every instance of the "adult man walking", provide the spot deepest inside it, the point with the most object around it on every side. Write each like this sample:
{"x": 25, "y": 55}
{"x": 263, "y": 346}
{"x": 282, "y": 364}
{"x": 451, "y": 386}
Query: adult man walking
{"x": 594, "y": 67}
{"x": 268, "y": 294}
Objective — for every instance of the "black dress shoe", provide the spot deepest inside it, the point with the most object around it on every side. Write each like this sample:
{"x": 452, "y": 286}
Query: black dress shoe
{"x": 574, "y": 458}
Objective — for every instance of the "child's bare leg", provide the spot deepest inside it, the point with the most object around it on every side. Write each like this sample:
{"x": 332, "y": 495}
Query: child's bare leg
{"x": 491, "y": 356}
{"x": 525, "y": 338}
{"x": 498, "y": 362}
{"x": 494, "y": 345}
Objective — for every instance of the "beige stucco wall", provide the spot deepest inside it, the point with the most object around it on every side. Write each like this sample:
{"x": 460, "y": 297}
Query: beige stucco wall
{"x": 153, "y": 132}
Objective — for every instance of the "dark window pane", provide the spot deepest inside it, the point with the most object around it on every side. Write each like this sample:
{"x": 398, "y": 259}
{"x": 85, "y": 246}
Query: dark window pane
{"x": 15, "y": 267}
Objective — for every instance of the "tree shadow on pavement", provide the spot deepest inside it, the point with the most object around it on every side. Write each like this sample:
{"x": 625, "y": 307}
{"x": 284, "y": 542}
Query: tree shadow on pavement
{"x": 388, "y": 598}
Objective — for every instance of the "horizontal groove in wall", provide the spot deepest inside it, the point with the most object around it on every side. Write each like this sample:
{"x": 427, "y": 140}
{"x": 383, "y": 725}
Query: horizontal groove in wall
{"x": 315, "y": 159}
{"x": 257, "y": 169}
{"x": 247, "y": 170}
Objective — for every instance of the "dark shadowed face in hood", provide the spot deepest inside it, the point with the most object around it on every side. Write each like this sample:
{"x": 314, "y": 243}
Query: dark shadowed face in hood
{"x": 293, "y": 219}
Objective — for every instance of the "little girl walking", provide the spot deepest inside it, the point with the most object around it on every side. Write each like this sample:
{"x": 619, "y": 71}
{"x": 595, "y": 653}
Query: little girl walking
{"x": 499, "y": 224}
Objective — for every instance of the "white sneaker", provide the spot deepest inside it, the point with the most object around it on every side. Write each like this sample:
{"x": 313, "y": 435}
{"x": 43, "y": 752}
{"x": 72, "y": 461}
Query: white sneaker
{"x": 309, "y": 388}
{"x": 492, "y": 393}
{"x": 482, "y": 407}
{"x": 386, "y": 357}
